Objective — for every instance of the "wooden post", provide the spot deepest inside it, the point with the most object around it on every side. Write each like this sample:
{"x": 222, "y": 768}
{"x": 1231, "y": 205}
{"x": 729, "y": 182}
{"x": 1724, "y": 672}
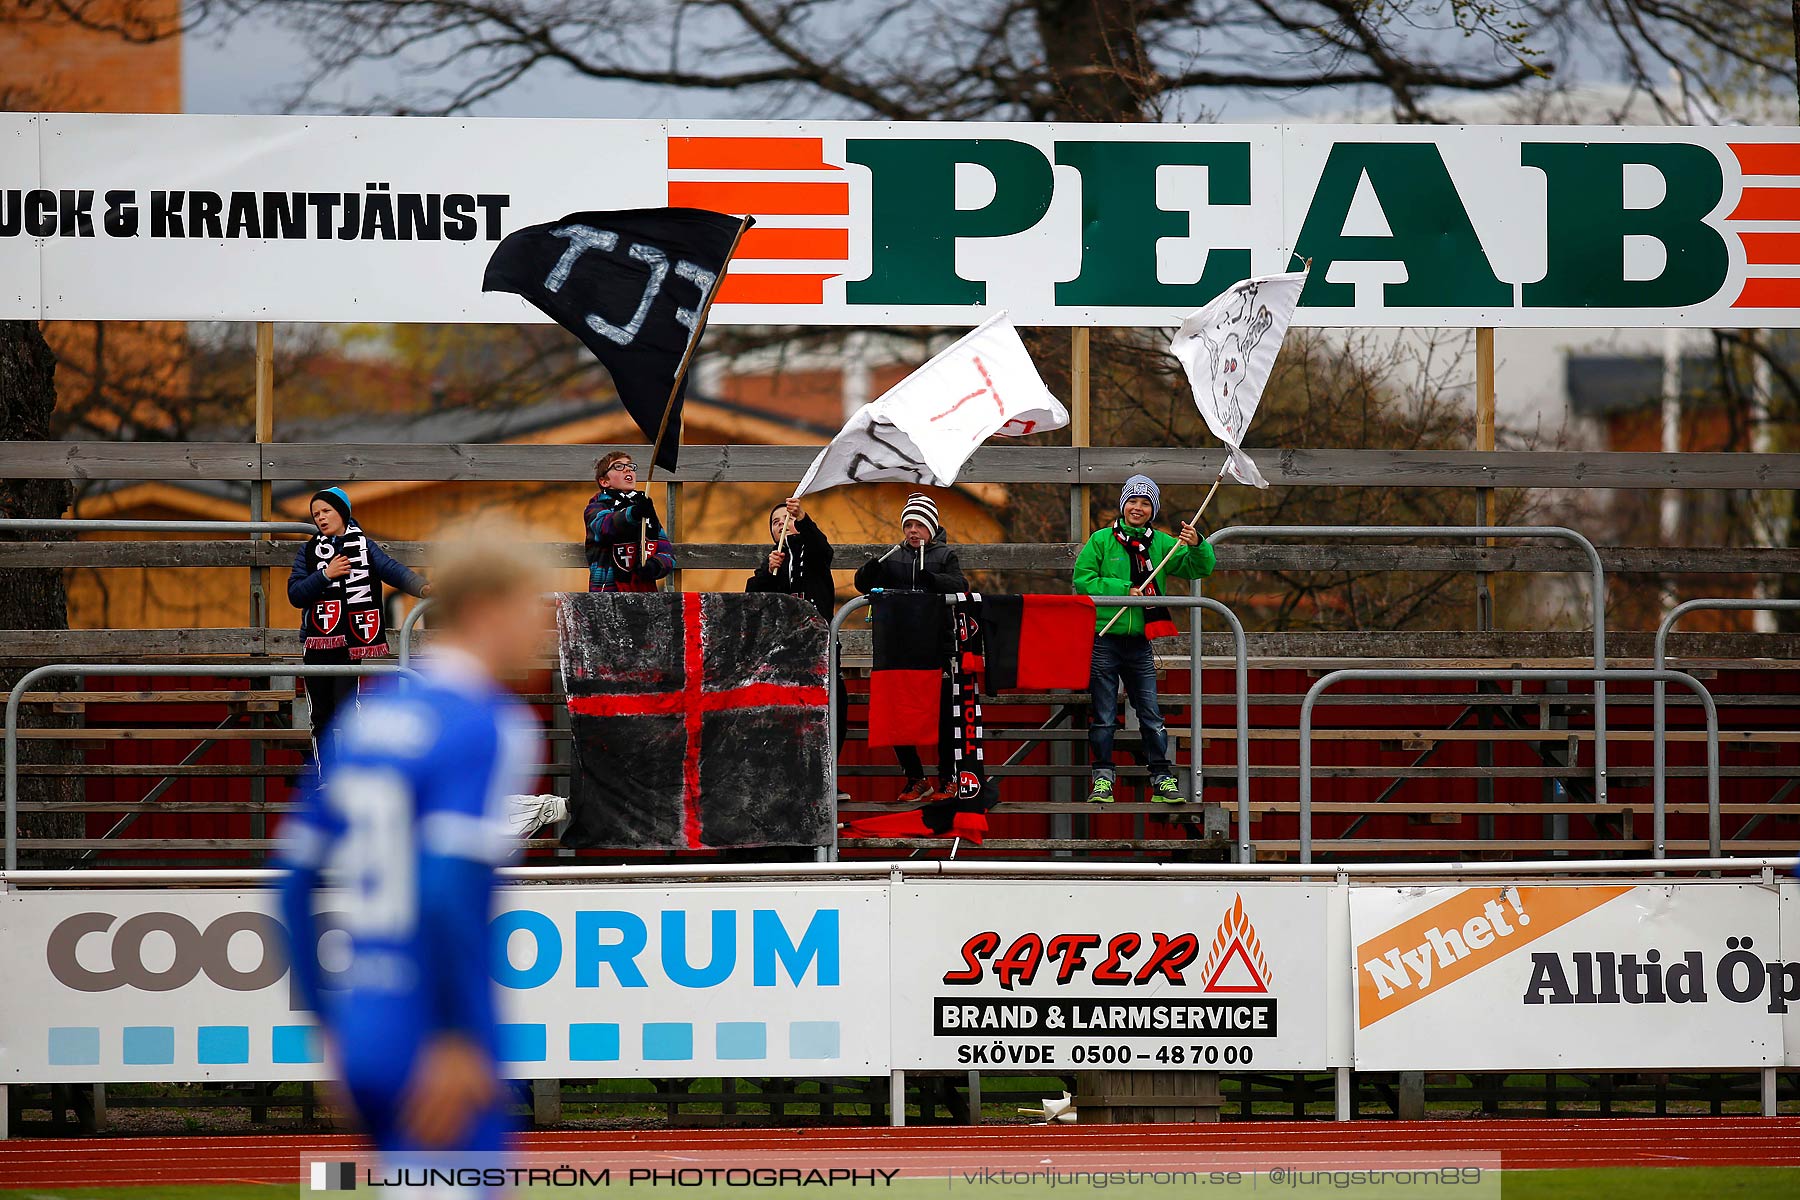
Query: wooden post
{"x": 1078, "y": 428}
{"x": 1484, "y": 440}
{"x": 261, "y": 496}
{"x": 261, "y": 506}
{"x": 1484, "y": 594}
{"x": 672, "y": 495}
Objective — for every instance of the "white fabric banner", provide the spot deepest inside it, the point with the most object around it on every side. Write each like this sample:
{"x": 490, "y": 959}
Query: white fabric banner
{"x": 1228, "y": 350}
{"x": 923, "y": 429}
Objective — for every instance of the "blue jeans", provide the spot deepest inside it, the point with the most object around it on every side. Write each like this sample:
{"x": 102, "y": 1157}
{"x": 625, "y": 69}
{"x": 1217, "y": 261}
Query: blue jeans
{"x": 1125, "y": 659}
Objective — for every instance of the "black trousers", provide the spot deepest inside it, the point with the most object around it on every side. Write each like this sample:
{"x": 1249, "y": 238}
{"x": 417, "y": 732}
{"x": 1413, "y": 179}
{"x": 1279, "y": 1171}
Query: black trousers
{"x": 329, "y": 695}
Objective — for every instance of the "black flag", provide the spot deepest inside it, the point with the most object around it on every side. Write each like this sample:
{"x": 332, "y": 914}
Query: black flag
{"x": 633, "y": 285}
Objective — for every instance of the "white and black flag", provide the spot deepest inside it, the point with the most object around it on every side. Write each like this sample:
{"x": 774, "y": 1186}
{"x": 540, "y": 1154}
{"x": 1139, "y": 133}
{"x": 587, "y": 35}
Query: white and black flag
{"x": 924, "y": 428}
{"x": 634, "y": 286}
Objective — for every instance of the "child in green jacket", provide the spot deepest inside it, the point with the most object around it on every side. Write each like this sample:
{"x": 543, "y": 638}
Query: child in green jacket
{"x": 1117, "y": 561}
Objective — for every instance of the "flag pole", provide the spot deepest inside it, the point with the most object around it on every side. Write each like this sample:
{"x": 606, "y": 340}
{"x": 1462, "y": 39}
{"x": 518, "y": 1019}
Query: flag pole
{"x": 687, "y": 357}
{"x": 1305, "y": 268}
{"x": 1156, "y": 570}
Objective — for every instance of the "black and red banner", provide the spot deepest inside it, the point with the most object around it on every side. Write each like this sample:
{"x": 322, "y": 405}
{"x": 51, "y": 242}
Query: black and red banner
{"x": 1036, "y": 643}
{"x": 911, "y": 652}
{"x": 698, "y": 720}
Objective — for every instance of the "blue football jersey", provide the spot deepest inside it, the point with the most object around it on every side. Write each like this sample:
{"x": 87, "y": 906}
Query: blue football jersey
{"x": 406, "y": 824}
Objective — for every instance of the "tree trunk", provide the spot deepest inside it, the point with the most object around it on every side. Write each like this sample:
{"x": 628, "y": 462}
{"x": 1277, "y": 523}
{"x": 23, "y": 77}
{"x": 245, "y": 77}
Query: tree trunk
{"x": 33, "y": 599}
{"x": 1094, "y": 55}
{"x": 1789, "y": 622}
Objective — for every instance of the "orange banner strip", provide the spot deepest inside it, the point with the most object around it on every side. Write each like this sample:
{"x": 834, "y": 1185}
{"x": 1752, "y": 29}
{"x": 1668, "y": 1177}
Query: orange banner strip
{"x": 763, "y": 199}
{"x": 766, "y": 242}
{"x": 1769, "y": 293}
{"x": 747, "y": 154}
{"x": 1454, "y": 939}
{"x": 1767, "y": 158}
{"x": 1771, "y": 249}
{"x": 772, "y": 289}
{"x": 1766, "y": 204}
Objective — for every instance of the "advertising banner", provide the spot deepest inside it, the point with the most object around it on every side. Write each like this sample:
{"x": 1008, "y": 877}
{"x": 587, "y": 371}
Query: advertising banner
{"x": 841, "y": 979}
{"x": 865, "y": 223}
{"x": 614, "y": 982}
{"x": 1569, "y": 976}
{"x": 1153, "y": 976}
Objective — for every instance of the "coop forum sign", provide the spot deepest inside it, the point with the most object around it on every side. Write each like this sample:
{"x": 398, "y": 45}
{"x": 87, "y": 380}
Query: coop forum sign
{"x": 392, "y": 219}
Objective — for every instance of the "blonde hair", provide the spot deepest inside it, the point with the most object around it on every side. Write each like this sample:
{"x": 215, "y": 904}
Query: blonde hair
{"x": 486, "y": 559}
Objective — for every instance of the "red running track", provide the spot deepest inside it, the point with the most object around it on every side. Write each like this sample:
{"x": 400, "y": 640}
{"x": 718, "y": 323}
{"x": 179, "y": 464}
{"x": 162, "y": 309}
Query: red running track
{"x": 1520, "y": 1144}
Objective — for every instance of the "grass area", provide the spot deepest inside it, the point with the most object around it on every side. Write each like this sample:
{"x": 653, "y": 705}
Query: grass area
{"x": 1611, "y": 1183}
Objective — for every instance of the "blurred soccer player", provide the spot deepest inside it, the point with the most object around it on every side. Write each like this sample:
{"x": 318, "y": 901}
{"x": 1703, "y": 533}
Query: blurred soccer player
{"x": 408, "y": 819}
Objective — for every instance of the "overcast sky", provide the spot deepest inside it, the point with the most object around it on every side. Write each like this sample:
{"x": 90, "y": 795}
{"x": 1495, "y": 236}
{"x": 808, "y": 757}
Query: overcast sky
{"x": 259, "y": 66}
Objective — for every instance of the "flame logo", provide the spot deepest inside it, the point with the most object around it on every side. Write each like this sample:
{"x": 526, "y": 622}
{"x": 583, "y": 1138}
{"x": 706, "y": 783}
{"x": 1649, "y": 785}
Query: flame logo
{"x": 1236, "y": 938}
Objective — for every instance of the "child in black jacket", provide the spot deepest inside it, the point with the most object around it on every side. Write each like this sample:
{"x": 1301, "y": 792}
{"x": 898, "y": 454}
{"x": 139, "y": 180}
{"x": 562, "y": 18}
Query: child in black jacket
{"x": 800, "y": 563}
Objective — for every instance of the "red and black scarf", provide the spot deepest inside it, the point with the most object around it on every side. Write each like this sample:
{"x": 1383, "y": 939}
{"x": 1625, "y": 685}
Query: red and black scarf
{"x": 347, "y": 623}
{"x": 1158, "y": 622}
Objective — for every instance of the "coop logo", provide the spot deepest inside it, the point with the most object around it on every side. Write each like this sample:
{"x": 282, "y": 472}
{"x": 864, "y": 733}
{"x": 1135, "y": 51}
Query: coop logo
{"x": 164, "y": 951}
{"x": 887, "y": 216}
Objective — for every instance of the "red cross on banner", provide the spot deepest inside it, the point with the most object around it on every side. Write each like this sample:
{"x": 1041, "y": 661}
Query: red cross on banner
{"x": 697, "y": 720}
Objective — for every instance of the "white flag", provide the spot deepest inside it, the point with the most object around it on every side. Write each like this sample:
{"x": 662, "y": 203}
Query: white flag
{"x": 1228, "y": 349}
{"x": 925, "y": 427}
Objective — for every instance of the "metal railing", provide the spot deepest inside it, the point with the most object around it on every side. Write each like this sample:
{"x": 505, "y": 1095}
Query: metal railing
{"x": 249, "y": 671}
{"x": 1558, "y": 532}
{"x": 834, "y": 666}
{"x": 1659, "y": 750}
{"x": 1711, "y": 870}
{"x": 403, "y": 652}
{"x": 1500, "y": 675}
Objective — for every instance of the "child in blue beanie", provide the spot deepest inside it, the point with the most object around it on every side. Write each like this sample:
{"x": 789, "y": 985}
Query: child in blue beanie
{"x": 1118, "y": 561}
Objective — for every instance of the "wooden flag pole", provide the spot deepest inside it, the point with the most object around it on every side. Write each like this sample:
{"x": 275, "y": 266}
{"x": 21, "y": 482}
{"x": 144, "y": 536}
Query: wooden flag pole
{"x": 687, "y": 357}
{"x": 1305, "y": 266}
{"x": 1148, "y": 579}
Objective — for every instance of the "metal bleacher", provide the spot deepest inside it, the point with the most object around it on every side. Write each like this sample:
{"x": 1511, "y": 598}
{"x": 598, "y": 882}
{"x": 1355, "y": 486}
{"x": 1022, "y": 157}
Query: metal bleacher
{"x": 196, "y": 773}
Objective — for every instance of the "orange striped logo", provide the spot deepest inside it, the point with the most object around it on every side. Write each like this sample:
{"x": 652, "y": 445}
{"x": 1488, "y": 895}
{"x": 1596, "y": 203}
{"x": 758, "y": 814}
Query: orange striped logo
{"x": 1773, "y": 209}
{"x": 801, "y": 204}
{"x": 1235, "y": 963}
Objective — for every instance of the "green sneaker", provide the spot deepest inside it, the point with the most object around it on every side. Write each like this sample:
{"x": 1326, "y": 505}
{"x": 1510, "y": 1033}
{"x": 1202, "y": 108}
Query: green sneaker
{"x": 1102, "y": 791}
{"x": 1166, "y": 789}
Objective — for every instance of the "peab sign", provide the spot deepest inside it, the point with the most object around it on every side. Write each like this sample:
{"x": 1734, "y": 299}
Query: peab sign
{"x": 392, "y": 219}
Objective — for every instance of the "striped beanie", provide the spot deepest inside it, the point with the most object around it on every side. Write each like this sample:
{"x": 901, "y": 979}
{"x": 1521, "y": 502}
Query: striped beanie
{"x": 919, "y": 507}
{"x": 1142, "y": 485}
